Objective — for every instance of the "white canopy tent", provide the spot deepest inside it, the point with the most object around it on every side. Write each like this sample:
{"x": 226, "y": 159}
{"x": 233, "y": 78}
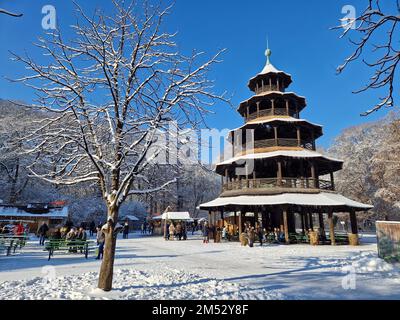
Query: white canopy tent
{"x": 183, "y": 216}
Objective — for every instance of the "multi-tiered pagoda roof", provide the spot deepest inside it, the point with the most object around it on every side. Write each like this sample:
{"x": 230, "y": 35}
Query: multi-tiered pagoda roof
{"x": 278, "y": 168}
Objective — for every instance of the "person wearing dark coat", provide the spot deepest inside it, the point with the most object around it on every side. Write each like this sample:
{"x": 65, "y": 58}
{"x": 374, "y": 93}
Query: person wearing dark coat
{"x": 92, "y": 228}
{"x": 101, "y": 238}
{"x": 42, "y": 232}
{"x": 126, "y": 230}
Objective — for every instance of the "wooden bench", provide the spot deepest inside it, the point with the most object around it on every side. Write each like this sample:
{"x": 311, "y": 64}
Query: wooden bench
{"x": 10, "y": 243}
{"x": 340, "y": 238}
{"x": 298, "y": 238}
{"x": 69, "y": 246}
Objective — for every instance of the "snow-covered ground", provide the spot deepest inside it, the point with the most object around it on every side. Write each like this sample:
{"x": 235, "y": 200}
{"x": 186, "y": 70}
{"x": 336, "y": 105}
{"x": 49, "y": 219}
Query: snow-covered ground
{"x": 151, "y": 268}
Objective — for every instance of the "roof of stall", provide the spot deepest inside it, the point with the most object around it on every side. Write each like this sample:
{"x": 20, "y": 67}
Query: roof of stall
{"x": 323, "y": 199}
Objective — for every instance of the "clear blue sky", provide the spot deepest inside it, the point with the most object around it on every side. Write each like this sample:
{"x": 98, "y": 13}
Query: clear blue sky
{"x": 299, "y": 37}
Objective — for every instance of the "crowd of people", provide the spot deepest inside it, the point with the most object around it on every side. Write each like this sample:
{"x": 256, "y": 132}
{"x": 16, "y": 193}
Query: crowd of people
{"x": 176, "y": 231}
{"x": 18, "y": 229}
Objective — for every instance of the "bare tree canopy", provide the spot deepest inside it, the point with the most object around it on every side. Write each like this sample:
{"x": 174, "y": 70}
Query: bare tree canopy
{"x": 377, "y": 24}
{"x": 108, "y": 92}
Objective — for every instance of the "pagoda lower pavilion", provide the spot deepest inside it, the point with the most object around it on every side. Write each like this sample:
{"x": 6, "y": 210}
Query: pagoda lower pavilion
{"x": 276, "y": 175}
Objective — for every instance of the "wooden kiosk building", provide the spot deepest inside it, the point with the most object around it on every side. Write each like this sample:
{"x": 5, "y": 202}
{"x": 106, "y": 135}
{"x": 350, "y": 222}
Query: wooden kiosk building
{"x": 275, "y": 172}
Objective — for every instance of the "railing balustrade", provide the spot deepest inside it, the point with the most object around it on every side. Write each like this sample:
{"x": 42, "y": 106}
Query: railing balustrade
{"x": 265, "y": 183}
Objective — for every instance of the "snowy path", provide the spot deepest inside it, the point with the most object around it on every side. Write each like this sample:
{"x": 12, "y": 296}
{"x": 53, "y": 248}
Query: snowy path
{"x": 151, "y": 268}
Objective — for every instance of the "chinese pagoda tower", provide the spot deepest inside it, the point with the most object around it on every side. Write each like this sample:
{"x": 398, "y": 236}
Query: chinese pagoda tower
{"x": 274, "y": 172}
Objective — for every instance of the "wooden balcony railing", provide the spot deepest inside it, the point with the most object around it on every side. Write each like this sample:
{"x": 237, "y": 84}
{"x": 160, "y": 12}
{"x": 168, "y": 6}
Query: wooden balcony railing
{"x": 269, "y": 113}
{"x": 280, "y": 142}
{"x": 295, "y": 183}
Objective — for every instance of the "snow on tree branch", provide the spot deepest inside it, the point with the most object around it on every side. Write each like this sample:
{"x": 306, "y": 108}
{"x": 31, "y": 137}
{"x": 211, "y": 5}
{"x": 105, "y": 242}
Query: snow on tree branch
{"x": 374, "y": 23}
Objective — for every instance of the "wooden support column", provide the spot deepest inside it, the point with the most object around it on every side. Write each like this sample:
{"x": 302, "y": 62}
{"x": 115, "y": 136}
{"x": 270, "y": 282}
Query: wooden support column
{"x": 279, "y": 173}
{"x": 332, "y": 181}
{"x": 258, "y": 109}
{"x": 287, "y": 107}
{"x": 241, "y": 222}
{"x": 353, "y": 222}
{"x": 234, "y": 222}
{"x": 262, "y": 84}
{"x": 302, "y": 223}
{"x": 331, "y": 228}
{"x": 273, "y": 106}
{"x": 313, "y": 175}
{"x": 285, "y": 225}
{"x": 313, "y": 139}
{"x": 305, "y": 218}
{"x": 310, "y": 215}
{"x": 222, "y": 217}
{"x": 248, "y": 112}
{"x": 276, "y": 135}
{"x": 321, "y": 224}
{"x": 270, "y": 84}
{"x": 298, "y": 136}
{"x": 277, "y": 84}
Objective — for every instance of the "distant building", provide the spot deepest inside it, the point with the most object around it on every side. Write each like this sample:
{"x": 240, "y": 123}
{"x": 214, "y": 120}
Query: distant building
{"x": 35, "y": 214}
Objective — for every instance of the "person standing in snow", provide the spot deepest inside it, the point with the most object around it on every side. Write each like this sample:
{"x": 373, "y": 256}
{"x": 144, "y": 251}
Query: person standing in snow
{"x": 42, "y": 232}
{"x": 260, "y": 235}
{"x": 19, "y": 229}
{"x": 126, "y": 230}
{"x": 171, "y": 231}
{"x": 101, "y": 238}
{"x": 179, "y": 231}
{"x": 92, "y": 228}
{"x": 206, "y": 233}
{"x": 224, "y": 233}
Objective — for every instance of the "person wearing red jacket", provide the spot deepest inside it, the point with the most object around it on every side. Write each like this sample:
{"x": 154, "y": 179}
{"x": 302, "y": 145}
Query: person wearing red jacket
{"x": 19, "y": 229}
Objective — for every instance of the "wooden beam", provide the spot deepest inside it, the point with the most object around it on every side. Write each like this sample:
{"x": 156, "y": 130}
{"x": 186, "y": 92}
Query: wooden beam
{"x": 240, "y": 222}
{"x": 298, "y": 136}
{"x": 285, "y": 226}
{"x": 313, "y": 175}
{"x": 353, "y": 222}
{"x": 279, "y": 172}
{"x": 331, "y": 228}
{"x": 332, "y": 180}
{"x": 310, "y": 215}
{"x": 287, "y": 107}
{"x": 273, "y": 106}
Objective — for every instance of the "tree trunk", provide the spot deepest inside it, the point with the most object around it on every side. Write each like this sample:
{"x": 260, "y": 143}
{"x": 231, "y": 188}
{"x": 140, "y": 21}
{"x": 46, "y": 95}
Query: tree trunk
{"x": 107, "y": 265}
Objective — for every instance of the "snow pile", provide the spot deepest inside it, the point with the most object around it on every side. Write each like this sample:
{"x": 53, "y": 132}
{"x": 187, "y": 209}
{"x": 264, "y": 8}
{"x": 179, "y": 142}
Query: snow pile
{"x": 369, "y": 262}
{"x": 162, "y": 283}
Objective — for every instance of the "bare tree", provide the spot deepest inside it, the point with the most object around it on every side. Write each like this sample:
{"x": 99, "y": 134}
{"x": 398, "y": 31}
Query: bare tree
{"x": 109, "y": 90}
{"x": 378, "y": 23}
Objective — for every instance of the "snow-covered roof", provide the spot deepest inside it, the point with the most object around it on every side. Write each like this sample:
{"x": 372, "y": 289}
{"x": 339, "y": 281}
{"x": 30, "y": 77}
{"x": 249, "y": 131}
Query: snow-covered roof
{"x": 176, "y": 216}
{"x": 283, "y": 153}
{"x": 268, "y": 93}
{"x": 269, "y": 68}
{"x": 130, "y": 217}
{"x": 9, "y": 211}
{"x": 322, "y": 199}
{"x": 283, "y": 119}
